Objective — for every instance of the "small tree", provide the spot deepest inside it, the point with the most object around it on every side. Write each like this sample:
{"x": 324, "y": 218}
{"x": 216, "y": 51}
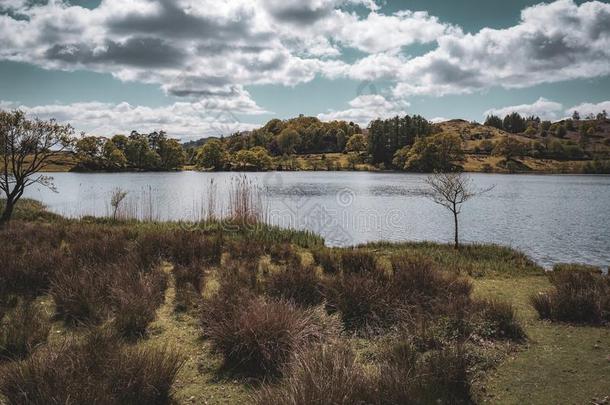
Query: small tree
{"x": 118, "y": 195}
{"x": 451, "y": 190}
{"x": 26, "y": 147}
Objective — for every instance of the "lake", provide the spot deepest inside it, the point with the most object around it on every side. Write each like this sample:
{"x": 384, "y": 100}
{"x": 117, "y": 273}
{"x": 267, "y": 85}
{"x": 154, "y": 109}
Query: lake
{"x": 552, "y": 218}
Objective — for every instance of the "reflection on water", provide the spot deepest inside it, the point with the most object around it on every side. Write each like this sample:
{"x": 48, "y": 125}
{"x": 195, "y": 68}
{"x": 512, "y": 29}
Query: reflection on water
{"x": 551, "y": 218}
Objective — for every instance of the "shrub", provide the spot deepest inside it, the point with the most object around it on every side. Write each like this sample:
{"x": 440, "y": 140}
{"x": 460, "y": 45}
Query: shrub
{"x": 150, "y": 247}
{"x": 437, "y": 376}
{"x": 95, "y": 369}
{"x": 30, "y": 255}
{"x": 358, "y": 261}
{"x": 325, "y": 374}
{"x": 192, "y": 274}
{"x": 81, "y": 294}
{"x": 416, "y": 282}
{"x": 93, "y": 294}
{"x": 135, "y": 300}
{"x": 246, "y": 249}
{"x": 328, "y": 259}
{"x": 188, "y": 248}
{"x": 261, "y": 336}
{"x": 375, "y": 300}
{"x": 284, "y": 253}
{"x": 299, "y": 285}
{"x": 577, "y": 296}
{"x": 362, "y": 300}
{"x": 144, "y": 375}
{"x": 91, "y": 245}
{"x": 331, "y": 374}
{"x": 24, "y": 328}
{"x": 542, "y": 304}
{"x": 499, "y": 321}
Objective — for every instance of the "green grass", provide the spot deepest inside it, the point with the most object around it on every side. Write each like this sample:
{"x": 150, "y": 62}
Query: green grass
{"x": 475, "y": 260}
{"x": 198, "y": 381}
{"x": 30, "y": 210}
{"x": 560, "y": 364}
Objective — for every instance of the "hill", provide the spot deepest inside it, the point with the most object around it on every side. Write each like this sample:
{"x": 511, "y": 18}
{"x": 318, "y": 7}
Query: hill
{"x": 541, "y": 151}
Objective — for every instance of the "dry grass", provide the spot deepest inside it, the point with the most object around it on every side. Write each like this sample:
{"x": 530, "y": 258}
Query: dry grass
{"x": 23, "y": 329}
{"x": 96, "y": 369}
{"x": 579, "y": 295}
{"x": 432, "y": 359}
{"x": 259, "y": 337}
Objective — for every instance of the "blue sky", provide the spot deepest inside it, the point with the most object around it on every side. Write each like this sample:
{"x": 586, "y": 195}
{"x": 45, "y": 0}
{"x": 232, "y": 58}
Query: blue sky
{"x": 198, "y": 69}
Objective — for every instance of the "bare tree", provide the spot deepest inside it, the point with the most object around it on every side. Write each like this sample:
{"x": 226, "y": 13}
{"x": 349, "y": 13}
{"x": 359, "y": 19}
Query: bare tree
{"x": 451, "y": 190}
{"x": 26, "y": 147}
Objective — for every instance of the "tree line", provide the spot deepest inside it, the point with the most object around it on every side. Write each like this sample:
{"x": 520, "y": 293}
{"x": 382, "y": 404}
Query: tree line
{"x": 153, "y": 151}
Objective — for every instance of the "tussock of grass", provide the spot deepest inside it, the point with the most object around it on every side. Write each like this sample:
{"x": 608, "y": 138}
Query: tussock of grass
{"x": 260, "y": 311}
{"x": 298, "y": 284}
{"x": 260, "y": 336}
{"x": 580, "y": 295}
{"x": 324, "y": 374}
{"x": 333, "y": 374}
{"x": 22, "y": 329}
{"x": 96, "y": 369}
{"x": 328, "y": 259}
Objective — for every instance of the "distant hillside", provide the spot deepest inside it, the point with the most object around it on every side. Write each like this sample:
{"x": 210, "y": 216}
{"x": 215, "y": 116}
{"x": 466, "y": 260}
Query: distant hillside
{"x": 197, "y": 143}
{"x": 542, "y": 150}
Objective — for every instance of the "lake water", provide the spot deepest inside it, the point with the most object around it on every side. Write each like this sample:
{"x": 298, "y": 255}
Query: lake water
{"x": 552, "y": 218}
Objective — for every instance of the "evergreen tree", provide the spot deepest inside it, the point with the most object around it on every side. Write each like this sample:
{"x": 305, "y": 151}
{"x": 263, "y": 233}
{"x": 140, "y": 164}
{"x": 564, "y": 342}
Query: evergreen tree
{"x": 493, "y": 121}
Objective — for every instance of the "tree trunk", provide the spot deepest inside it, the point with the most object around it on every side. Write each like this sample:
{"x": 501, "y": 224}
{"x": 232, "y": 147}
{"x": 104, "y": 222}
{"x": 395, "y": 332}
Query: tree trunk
{"x": 455, "y": 220}
{"x": 8, "y": 212}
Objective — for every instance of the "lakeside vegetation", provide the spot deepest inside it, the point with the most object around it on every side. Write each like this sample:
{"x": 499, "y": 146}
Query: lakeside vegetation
{"x": 238, "y": 311}
{"x": 514, "y": 144}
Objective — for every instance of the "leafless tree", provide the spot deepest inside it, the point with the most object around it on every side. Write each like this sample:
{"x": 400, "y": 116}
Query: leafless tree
{"x": 26, "y": 147}
{"x": 451, "y": 190}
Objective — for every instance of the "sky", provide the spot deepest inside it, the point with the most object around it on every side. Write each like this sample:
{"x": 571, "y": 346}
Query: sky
{"x": 198, "y": 68}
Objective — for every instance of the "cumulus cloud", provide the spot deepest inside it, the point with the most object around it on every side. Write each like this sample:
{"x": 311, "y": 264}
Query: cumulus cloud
{"x": 366, "y": 108}
{"x": 183, "y": 120}
{"x": 543, "y": 108}
{"x": 552, "y": 42}
{"x": 193, "y": 47}
{"x": 202, "y": 49}
{"x": 585, "y": 109}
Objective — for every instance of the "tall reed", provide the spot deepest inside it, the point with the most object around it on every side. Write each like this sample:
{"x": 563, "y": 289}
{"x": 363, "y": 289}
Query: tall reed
{"x": 245, "y": 201}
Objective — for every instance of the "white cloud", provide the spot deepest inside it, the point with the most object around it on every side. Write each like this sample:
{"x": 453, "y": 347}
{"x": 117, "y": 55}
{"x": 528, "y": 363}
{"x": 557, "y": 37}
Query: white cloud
{"x": 209, "y": 49}
{"x": 386, "y": 33}
{"x": 184, "y": 120}
{"x": 543, "y": 108}
{"x": 585, "y": 109}
{"x": 366, "y": 108}
{"x": 195, "y": 47}
{"x": 552, "y": 42}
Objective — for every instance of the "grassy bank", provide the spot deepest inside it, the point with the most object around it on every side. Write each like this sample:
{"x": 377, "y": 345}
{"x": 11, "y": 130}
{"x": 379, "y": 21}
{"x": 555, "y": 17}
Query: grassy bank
{"x": 227, "y": 313}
